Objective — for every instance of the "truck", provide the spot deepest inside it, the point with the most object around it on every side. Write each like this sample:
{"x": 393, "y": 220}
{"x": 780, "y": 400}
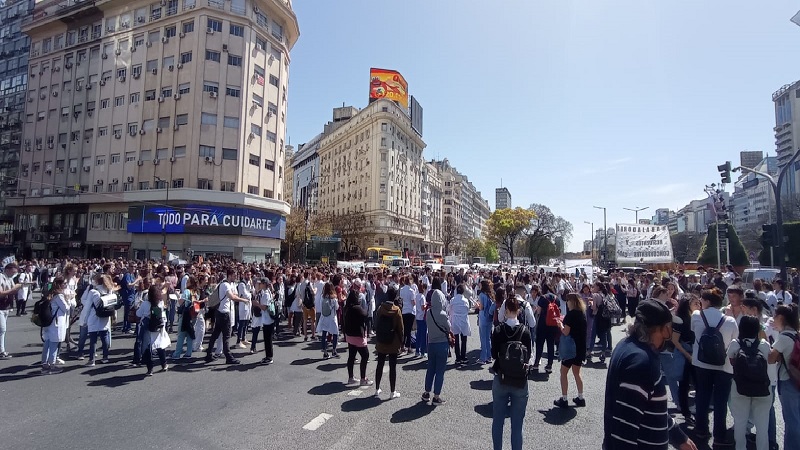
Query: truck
{"x": 452, "y": 260}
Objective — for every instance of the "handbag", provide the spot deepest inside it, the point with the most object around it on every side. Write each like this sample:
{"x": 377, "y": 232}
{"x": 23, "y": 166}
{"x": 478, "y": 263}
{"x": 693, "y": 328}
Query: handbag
{"x": 566, "y": 348}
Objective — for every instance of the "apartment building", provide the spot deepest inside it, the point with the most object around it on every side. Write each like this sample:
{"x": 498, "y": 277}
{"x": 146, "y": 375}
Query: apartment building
{"x": 155, "y": 126}
{"x": 787, "y": 102}
{"x": 431, "y": 209}
{"x": 502, "y": 198}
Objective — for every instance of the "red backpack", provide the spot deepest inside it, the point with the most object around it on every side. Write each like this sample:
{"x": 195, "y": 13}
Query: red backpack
{"x": 553, "y": 313}
{"x": 793, "y": 365}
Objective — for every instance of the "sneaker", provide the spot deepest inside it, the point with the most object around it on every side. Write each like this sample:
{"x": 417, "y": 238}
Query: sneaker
{"x": 90, "y": 364}
{"x": 426, "y": 396}
{"x": 60, "y": 362}
{"x": 103, "y": 361}
{"x": 336, "y": 355}
{"x": 165, "y": 367}
{"x": 589, "y": 359}
{"x": 548, "y": 369}
{"x": 438, "y": 401}
{"x": 232, "y": 362}
{"x": 55, "y": 370}
{"x": 352, "y": 381}
{"x": 561, "y": 403}
{"x": 367, "y": 382}
{"x": 80, "y": 358}
{"x": 5, "y": 355}
{"x": 266, "y": 361}
{"x": 149, "y": 373}
{"x": 246, "y": 342}
{"x": 252, "y": 351}
{"x": 378, "y": 393}
{"x": 240, "y": 345}
{"x": 326, "y": 356}
{"x": 45, "y": 369}
{"x": 395, "y": 394}
{"x": 579, "y": 401}
{"x": 208, "y": 358}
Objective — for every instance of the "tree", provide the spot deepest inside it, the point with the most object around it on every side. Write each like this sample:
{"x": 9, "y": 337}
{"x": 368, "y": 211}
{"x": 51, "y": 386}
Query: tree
{"x": 708, "y": 253}
{"x": 452, "y": 235}
{"x": 686, "y": 246}
{"x": 351, "y": 228}
{"x": 506, "y": 226}
{"x": 490, "y": 253}
{"x": 474, "y": 248}
{"x": 546, "y": 234}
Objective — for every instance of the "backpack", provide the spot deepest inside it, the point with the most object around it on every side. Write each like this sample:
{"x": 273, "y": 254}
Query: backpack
{"x": 108, "y": 305}
{"x": 793, "y": 365}
{"x": 514, "y": 357}
{"x": 522, "y": 315}
{"x": 156, "y": 319}
{"x": 610, "y": 307}
{"x": 711, "y": 346}
{"x": 214, "y": 299}
{"x": 384, "y": 329}
{"x": 42, "y": 313}
{"x": 308, "y": 297}
{"x": 750, "y": 371}
{"x": 326, "y": 307}
{"x": 553, "y": 313}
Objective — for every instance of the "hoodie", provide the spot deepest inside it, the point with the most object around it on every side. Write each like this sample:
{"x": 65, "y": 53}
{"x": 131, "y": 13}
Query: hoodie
{"x": 436, "y": 319}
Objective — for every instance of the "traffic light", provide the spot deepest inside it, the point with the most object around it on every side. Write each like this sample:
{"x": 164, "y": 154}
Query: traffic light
{"x": 768, "y": 232}
{"x": 725, "y": 172}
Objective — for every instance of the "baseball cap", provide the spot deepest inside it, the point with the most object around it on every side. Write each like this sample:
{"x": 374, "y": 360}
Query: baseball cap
{"x": 653, "y": 313}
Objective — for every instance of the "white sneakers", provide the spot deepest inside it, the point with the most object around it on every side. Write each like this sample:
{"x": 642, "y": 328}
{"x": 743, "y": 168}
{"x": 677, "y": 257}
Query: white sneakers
{"x": 395, "y": 394}
{"x": 378, "y": 393}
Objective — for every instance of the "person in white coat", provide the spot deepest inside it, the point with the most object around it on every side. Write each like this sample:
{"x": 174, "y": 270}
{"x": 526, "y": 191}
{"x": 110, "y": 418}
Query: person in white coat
{"x": 155, "y": 337}
{"x": 245, "y": 290}
{"x": 264, "y": 302}
{"x": 328, "y": 322}
{"x": 458, "y": 311}
{"x": 56, "y": 332}
{"x": 98, "y": 326}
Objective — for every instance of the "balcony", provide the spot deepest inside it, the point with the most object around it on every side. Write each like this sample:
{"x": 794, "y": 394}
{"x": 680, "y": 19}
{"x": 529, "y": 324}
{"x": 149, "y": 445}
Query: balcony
{"x": 67, "y": 11}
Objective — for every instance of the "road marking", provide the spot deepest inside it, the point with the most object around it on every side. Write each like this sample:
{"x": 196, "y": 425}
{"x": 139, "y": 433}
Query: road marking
{"x": 317, "y": 422}
{"x": 386, "y": 369}
{"x": 355, "y": 392}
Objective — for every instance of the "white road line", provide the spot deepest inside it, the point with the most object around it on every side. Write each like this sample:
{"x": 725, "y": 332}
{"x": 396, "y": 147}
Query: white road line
{"x": 317, "y": 422}
{"x": 355, "y": 392}
{"x": 386, "y": 369}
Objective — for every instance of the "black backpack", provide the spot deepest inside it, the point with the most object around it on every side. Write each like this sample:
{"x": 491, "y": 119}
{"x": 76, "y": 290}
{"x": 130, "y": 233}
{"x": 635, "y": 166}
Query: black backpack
{"x": 711, "y": 345}
{"x": 384, "y": 329}
{"x": 750, "y": 371}
{"x": 514, "y": 357}
{"x": 522, "y": 315}
{"x": 42, "y": 313}
{"x": 156, "y": 319}
{"x": 308, "y": 297}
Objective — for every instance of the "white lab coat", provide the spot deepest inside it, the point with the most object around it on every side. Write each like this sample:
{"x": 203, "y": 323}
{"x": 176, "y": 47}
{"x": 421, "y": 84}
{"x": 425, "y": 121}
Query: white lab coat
{"x": 330, "y": 323}
{"x": 95, "y": 323}
{"x": 160, "y": 338}
{"x": 458, "y": 311}
{"x": 57, "y": 331}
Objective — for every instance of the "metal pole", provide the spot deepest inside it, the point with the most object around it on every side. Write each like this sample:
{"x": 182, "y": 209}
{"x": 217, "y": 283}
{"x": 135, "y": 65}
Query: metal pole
{"x": 719, "y": 263}
{"x": 771, "y": 256}
{"x": 728, "y": 250}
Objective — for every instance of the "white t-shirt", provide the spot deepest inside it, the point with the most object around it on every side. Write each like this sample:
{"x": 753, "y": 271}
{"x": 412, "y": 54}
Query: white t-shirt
{"x": 244, "y": 290}
{"x": 225, "y": 302}
{"x": 729, "y": 331}
{"x": 784, "y": 344}
{"x": 407, "y": 295}
{"x": 320, "y": 286}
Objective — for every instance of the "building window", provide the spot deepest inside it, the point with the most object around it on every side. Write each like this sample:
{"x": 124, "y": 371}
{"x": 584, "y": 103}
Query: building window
{"x": 233, "y": 91}
{"x": 135, "y": 97}
{"x": 102, "y": 131}
{"x": 166, "y": 92}
{"x": 151, "y": 65}
{"x": 162, "y": 154}
{"x": 255, "y": 129}
{"x": 229, "y": 154}
{"x": 168, "y": 61}
{"x": 112, "y": 187}
{"x": 119, "y": 101}
{"x": 144, "y": 185}
{"x": 130, "y": 156}
{"x": 163, "y": 122}
{"x": 188, "y": 27}
{"x": 272, "y": 137}
{"x": 186, "y": 57}
{"x": 184, "y": 88}
{"x": 97, "y": 221}
{"x": 181, "y": 119}
{"x": 127, "y": 187}
{"x": 237, "y": 30}
{"x": 160, "y": 184}
{"x": 104, "y": 103}
{"x": 215, "y": 25}
{"x": 231, "y": 122}
{"x": 145, "y": 155}
{"x": 210, "y": 86}
{"x": 252, "y": 190}
{"x": 208, "y": 119}
{"x": 179, "y": 152}
{"x": 234, "y": 60}
{"x": 258, "y": 100}
{"x": 205, "y": 183}
{"x": 228, "y": 186}
{"x": 170, "y": 31}
{"x": 268, "y": 193}
{"x": 258, "y": 70}
{"x": 101, "y": 161}
{"x": 273, "y": 80}
{"x": 272, "y": 108}
{"x": 269, "y": 164}
{"x": 255, "y": 160}
{"x": 149, "y": 95}
{"x": 261, "y": 43}
{"x": 177, "y": 183}
{"x": 208, "y": 151}
{"x": 212, "y": 56}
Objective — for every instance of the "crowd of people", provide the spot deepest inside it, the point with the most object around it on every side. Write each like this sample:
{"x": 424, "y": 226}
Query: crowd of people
{"x": 700, "y": 332}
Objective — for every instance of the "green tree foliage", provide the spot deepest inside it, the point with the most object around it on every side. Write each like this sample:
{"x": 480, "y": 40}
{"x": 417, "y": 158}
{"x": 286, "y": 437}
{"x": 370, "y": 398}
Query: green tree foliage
{"x": 506, "y": 226}
{"x": 708, "y": 253}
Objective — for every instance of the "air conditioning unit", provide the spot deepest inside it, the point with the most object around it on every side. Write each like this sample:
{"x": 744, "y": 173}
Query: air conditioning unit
{"x": 68, "y": 65}
{"x": 86, "y": 168}
{"x": 140, "y": 163}
{"x": 89, "y": 86}
{"x": 59, "y": 169}
{"x": 176, "y": 127}
{"x": 30, "y": 99}
{"x": 118, "y": 52}
{"x": 172, "y": 159}
{"x": 121, "y": 79}
{"x": 158, "y": 130}
{"x": 177, "y": 96}
{"x": 102, "y": 82}
{"x": 133, "y": 49}
{"x": 89, "y": 113}
{"x": 78, "y": 88}
{"x": 141, "y": 131}
{"x": 24, "y": 174}
{"x": 117, "y": 136}
{"x": 209, "y": 159}
{"x": 268, "y": 116}
{"x": 44, "y": 96}
{"x": 55, "y": 94}
{"x": 115, "y": 181}
{"x": 182, "y": 35}
{"x": 160, "y": 99}
{"x": 99, "y": 182}
{"x": 48, "y": 171}
{"x": 148, "y": 44}
{"x": 130, "y": 179}
{"x": 155, "y": 162}
{"x": 164, "y": 40}
{"x": 180, "y": 66}
{"x": 125, "y": 24}
{"x": 224, "y": 47}
{"x": 212, "y": 94}
{"x": 136, "y": 75}
{"x": 133, "y": 133}
{"x": 171, "y": 67}
{"x": 76, "y": 114}
{"x": 140, "y": 19}
{"x": 27, "y": 149}
{"x": 251, "y": 135}
{"x": 73, "y": 169}
{"x": 104, "y": 56}
{"x": 190, "y": 6}
{"x": 209, "y": 30}
{"x": 270, "y": 59}
{"x": 56, "y": 69}
{"x": 38, "y": 146}
{"x": 33, "y": 75}
{"x": 110, "y": 29}
{"x": 154, "y": 71}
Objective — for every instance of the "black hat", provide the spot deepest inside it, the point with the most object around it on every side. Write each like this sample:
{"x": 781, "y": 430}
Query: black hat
{"x": 653, "y": 313}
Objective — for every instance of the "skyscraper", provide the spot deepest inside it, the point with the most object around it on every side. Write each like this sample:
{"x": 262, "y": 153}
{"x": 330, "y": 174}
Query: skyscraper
{"x": 502, "y": 198}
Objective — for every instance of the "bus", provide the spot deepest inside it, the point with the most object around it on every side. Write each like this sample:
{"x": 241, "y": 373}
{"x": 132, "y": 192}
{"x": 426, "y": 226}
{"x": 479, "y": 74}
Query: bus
{"x": 379, "y": 254}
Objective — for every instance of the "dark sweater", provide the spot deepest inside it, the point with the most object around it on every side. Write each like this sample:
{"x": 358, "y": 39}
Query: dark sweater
{"x": 635, "y": 415}
{"x": 355, "y": 320}
{"x": 500, "y": 336}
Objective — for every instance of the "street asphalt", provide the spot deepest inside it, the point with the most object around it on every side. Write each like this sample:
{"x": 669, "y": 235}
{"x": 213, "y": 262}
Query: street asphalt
{"x": 300, "y": 401}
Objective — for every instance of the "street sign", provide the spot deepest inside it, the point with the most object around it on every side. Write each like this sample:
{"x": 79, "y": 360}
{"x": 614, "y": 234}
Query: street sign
{"x": 326, "y": 239}
{"x": 750, "y": 184}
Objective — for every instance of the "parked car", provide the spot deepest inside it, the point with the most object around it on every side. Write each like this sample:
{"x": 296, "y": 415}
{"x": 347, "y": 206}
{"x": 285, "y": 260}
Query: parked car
{"x": 764, "y": 273}
{"x": 399, "y": 263}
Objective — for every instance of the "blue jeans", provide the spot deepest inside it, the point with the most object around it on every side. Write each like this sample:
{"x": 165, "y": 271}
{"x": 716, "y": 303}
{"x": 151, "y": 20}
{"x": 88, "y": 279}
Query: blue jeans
{"x": 713, "y": 385}
{"x": 790, "y": 404}
{"x": 241, "y": 331}
{"x": 605, "y": 341}
{"x": 502, "y": 395}
{"x": 773, "y": 429}
{"x": 324, "y": 340}
{"x": 485, "y": 331}
{"x": 105, "y": 339}
{"x": 126, "y": 326}
{"x": 422, "y": 337}
{"x": 173, "y": 305}
{"x": 437, "y": 363}
{"x": 183, "y": 337}
{"x": 138, "y": 344}
{"x": 84, "y": 333}
{"x": 50, "y": 352}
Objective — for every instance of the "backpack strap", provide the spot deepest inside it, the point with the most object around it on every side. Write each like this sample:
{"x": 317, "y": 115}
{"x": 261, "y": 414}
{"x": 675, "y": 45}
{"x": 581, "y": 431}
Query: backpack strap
{"x": 721, "y": 322}
{"x": 703, "y": 316}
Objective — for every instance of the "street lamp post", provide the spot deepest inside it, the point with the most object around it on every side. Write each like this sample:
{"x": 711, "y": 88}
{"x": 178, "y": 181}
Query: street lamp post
{"x": 164, "y": 224}
{"x": 592, "y": 247}
{"x": 605, "y": 237}
{"x": 636, "y": 210}
{"x": 776, "y": 187}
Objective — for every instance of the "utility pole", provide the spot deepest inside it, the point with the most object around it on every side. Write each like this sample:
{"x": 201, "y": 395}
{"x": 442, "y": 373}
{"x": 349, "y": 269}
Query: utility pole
{"x": 776, "y": 187}
{"x": 592, "y": 247}
{"x": 605, "y": 237}
{"x": 636, "y": 210}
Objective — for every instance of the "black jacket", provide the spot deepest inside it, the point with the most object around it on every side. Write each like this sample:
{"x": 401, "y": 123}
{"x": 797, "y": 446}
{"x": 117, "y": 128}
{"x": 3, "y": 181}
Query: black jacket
{"x": 355, "y": 321}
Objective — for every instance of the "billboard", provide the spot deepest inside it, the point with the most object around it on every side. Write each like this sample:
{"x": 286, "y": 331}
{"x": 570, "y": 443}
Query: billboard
{"x": 643, "y": 244}
{"x": 206, "y": 219}
{"x": 388, "y": 84}
{"x": 416, "y": 116}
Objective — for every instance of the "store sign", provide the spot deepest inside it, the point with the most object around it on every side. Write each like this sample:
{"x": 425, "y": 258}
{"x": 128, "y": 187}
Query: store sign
{"x": 206, "y": 219}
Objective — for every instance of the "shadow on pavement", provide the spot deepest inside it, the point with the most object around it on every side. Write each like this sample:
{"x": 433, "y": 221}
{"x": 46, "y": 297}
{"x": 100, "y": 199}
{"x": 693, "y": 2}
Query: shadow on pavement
{"x": 331, "y": 367}
{"x": 360, "y": 404}
{"x": 329, "y": 388}
{"x": 236, "y": 367}
{"x": 481, "y": 385}
{"x": 303, "y": 362}
{"x": 558, "y": 416}
{"x": 416, "y": 366}
{"x": 117, "y": 381}
{"x": 485, "y": 410}
{"x": 538, "y": 376}
{"x": 414, "y": 412}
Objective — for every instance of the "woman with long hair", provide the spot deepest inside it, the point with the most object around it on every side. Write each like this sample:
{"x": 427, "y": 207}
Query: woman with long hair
{"x": 486, "y": 307}
{"x": 683, "y": 327}
{"x": 573, "y": 326}
{"x": 388, "y": 335}
{"x": 156, "y": 338}
{"x": 99, "y": 326}
{"x": 55, "y": 333}
{"x": 545, "y": 333}
{"x": 185, "y": 311}
{"x": 602, "y": 325}
{"x": 588, "y": 301}
{"x": 786, "y": 322}
{"x": 355, "y": 319}
{"x": 329, "y": 323}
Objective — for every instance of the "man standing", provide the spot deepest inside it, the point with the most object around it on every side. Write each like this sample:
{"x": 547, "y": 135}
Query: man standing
{"x": 25, "y": 279}
{"x": 8, "y": 293}
{"x": 127, "y": 283}
{"x": 636, "y": 415}
{"x": 222, "y": 318}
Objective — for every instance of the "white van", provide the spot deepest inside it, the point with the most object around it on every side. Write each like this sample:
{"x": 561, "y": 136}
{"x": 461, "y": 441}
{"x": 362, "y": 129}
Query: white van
{"x": 763, "y": 273}
{"x": 399, "y": 263}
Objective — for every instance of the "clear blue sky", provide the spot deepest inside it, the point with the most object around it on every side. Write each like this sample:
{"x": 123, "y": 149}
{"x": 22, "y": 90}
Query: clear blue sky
{"x": 572, "y": 103}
